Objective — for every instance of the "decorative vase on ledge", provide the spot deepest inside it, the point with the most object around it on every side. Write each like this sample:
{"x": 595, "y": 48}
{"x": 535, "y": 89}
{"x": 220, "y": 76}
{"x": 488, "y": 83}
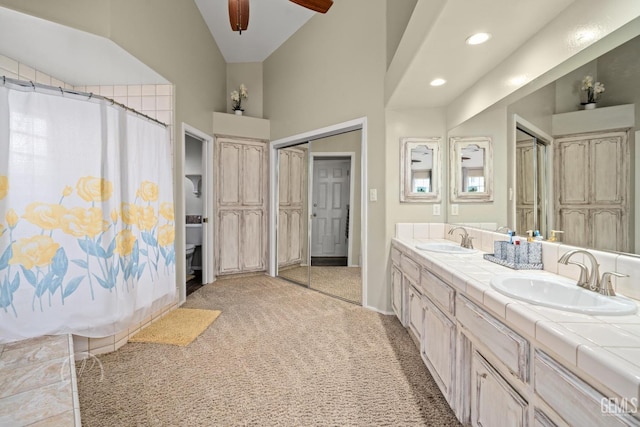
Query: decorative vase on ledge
{"x": 238, "y": 112}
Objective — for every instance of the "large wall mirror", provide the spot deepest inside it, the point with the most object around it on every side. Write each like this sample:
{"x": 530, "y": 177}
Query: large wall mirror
{"x": 471, "y": 169}
{"x": 420, "y": 169}
{"x": 578, "y": 171}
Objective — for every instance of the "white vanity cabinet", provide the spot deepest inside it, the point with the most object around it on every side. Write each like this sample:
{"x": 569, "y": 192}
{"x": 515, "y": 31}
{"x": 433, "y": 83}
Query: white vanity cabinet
{"x": 575, "y": 401}
{"x": 493, "y": 401}
{"x": 489, "y": 373}
{"x": 438, "y": 348}
{"x": 415, "y": 316}
{"x": 396, "y": 291}
{"x": 493, "y": 367}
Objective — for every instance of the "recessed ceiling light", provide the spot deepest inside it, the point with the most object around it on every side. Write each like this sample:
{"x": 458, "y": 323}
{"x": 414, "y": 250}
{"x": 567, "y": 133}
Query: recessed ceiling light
{"x": 438, "y": 82}
{"x": 478, "y": 38}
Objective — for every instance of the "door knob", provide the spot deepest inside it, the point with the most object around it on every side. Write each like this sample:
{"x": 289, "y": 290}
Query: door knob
{"x": 313, "y": 214}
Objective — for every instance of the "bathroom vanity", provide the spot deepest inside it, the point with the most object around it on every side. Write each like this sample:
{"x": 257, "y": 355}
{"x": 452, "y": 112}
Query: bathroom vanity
{"x": 503, "y": 362}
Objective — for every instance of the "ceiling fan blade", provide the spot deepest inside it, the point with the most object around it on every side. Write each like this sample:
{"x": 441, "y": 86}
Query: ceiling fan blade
{"x": 239, "y": 15}
{"x": 320, "y": 6}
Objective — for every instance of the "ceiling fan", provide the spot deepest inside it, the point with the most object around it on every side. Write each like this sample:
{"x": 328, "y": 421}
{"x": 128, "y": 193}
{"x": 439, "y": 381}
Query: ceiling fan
{"x": 239, "y": 11}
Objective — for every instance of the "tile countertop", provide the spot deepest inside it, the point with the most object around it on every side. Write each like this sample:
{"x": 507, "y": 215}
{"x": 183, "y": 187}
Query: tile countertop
{"x": 605, "y": 348}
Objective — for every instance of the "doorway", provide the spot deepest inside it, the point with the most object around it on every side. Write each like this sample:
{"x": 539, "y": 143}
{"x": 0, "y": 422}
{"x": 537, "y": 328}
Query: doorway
{"x": 331, "y": 202}
{"x": 198, "y": 197}
{"x": 319, "y": 213}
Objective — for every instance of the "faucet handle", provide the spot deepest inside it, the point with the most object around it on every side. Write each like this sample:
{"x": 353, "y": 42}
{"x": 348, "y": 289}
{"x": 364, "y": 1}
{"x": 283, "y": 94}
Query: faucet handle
{"x": 583, "y": 281}
{"x": 606, "y": 288}
{"x": 469, "y": 242}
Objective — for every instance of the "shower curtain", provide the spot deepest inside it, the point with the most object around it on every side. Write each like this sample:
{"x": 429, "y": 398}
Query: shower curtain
{"x": 86, "y": 216}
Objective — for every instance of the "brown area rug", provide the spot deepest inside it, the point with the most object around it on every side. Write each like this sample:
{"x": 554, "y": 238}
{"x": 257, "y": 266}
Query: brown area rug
{"x": 281, "y": 355}
{"x": 178, "y": 327}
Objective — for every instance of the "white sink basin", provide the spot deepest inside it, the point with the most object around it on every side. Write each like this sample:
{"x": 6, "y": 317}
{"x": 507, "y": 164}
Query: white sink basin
{"x": 562, "y": 294}
{"x": 447, "y": 248}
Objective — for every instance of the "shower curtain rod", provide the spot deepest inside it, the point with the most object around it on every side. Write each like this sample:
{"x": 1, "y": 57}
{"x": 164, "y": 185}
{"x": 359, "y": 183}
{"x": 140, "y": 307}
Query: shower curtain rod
{"x": 62, "y": 91}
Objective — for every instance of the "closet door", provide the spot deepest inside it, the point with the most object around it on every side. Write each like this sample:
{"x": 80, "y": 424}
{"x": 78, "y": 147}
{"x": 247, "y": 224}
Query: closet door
{"x": 242, "y": 186}
{"x": 592, "y": 206}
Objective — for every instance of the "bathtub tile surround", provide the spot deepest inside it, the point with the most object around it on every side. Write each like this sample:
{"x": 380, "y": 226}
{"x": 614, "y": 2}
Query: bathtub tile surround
{"x": 602, "y": 351}
{"x": 38, "y": 383}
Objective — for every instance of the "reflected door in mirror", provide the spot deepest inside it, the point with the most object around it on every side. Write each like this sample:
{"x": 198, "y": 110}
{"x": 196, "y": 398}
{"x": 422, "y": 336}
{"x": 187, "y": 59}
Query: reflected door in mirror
{"x": 592, "y": 172}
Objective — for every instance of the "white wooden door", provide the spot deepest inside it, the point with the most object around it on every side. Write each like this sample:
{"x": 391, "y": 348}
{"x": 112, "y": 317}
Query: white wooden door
{"x": 329, "y": 234}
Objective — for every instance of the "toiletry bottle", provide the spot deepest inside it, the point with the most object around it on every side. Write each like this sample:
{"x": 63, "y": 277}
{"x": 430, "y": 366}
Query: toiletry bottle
{"x": 529, "y": 236}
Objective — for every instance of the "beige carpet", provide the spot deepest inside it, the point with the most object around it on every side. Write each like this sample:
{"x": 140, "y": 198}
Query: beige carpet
{"x": 280, "y": 355}
{"x": 343, "y": 282}
{"x": 179, "y": 327}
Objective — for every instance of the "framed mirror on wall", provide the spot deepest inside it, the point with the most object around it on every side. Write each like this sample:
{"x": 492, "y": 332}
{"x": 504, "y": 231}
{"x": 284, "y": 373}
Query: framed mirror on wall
{"x": 420, "y": 170}
{"x": 471, "y": 169}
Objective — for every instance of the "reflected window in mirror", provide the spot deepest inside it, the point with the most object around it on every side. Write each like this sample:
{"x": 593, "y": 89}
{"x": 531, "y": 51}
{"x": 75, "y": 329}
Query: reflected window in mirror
{"x": 471, "y": 169}
{"x": 420, "y": 165}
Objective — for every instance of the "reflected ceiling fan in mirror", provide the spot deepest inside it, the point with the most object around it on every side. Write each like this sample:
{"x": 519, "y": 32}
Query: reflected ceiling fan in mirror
{"x": 239, "y": 11}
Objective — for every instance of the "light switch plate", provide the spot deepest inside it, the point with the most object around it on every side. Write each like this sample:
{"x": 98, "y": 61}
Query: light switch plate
{"x": 373, "y": 195}
{"x": 436, "y": 210}
{"x": 454, "y": 209}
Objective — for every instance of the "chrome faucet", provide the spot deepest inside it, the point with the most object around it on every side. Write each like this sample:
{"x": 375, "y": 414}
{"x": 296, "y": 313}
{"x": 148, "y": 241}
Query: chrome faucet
{"x": 466, "y": 241}
{"x": 591, "y": 279}
{"x": 588, "y": 279}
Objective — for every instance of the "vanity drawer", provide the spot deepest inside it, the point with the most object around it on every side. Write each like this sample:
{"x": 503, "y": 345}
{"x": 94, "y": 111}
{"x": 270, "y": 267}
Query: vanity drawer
{"x": 503, "y": 342}
{"x": 575, "y": 401}
{"x": 438, "y": 291}
{"x": 410, "y": 269}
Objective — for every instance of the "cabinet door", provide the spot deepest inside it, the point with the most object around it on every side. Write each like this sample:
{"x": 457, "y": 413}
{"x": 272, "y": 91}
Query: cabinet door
{"x": 298, "y": 178}
{"x": 581, "y": 404}
{"x": 295, "y": 236}
{"x": 283, "y": 237}
{"x": 253, "y": 175}
{"x": 494, "y": 402}
{"x": 284, "y": 177}
{"x": 229, "y": 174}
{"x": 396, "y": 292}
{"x": 439, "y": 348}
{"x": 572, "y": 186}
{"x": 252, "y": 234}
{"x": 229, "y": 242}
{"x": 416, "y": 312}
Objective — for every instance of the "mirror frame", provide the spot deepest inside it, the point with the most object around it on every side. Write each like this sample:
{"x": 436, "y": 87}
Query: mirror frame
{"x": 456, "y": 145}
{"x": 406, "y": 145}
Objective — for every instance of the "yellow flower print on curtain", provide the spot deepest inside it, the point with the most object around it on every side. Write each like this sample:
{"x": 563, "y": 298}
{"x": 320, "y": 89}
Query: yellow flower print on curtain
{"x": 4, "y": 186}
{"x": 43, "y": 261}
{"x": 36, "y": 251}
{"x": 93, "y": 189}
